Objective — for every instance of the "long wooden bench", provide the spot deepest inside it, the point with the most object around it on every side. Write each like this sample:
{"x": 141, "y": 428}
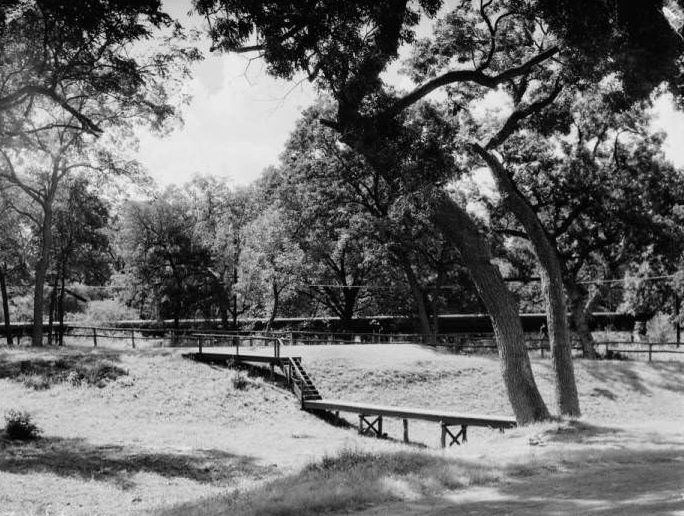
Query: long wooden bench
{"x": 445, "y": 419}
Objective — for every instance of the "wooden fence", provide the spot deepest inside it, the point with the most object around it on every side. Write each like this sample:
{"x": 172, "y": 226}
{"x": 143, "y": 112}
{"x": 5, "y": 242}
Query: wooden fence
{"x": 98, "y": 336}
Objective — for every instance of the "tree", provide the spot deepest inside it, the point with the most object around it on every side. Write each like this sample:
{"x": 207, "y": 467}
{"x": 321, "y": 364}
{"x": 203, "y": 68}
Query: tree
{"x": 81, "y": 250}
{"x": 346, "y": 48}
{"x": 67, "y": 76}
{"x": 271, "y": 264}
{"x": 584, "y": 177}
{"x": 170, "y": 265}
{"x": 347, "y": 60}
{"x": 13, "y": 257}
{"x": 55, "y": 54}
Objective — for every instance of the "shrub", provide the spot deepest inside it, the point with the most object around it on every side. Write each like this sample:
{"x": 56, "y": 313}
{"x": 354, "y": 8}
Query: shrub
{"x": 19, "y": 426}
{"x": 660, "y": 328}
{"x": 240, "y": 382}
{"x": 36, "y": 382}
{"x": 108, "y": 310}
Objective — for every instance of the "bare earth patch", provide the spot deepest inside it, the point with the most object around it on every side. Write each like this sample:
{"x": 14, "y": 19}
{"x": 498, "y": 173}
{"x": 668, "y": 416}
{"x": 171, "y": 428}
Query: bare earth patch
{"x": 172, "y": 431}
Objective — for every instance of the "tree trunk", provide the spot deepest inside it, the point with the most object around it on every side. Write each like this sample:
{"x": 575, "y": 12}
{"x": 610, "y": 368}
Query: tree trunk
{"x": 40, "y": 274}
{"x": 60, "y": 311}
{"x": 550, "y": 271}
{"x": 51, "y": 310}
{"x": 580, "y": 309}
{"x": 5, "y": 307}
{"x": 274, "y": 309}
{"x": 419, "y": 298}
{"x": 457, "y": 226}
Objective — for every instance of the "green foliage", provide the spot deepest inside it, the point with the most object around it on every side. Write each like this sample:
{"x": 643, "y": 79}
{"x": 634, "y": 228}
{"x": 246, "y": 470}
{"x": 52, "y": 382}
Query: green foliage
{"x": 107, "y": 310}
{"x": 19, "y": 426}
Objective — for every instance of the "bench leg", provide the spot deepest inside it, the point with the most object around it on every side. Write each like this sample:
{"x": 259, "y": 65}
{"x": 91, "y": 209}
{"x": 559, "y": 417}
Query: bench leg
{"x": 462, "y": 435}
{"x": 368, "y": 427}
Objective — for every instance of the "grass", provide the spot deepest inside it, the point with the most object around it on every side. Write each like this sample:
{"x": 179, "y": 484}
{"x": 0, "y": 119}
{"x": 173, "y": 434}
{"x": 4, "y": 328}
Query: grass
{"x": 72, "y": 368}
{"x": 347, "y": 481}
{"x": 184, "y": 437}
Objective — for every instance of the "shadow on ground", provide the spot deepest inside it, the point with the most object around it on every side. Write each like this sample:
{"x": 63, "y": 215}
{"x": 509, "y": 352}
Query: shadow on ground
{"x": 626, "y": 482}
{"x": 117, "y": 464}
{"x": 632, "y": 375}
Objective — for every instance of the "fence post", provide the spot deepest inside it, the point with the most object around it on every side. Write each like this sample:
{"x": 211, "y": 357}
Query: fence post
{"x": 94, "y": 337}
{"x": 199, "y": 344}
{"x": 133, "y": 339}
{"x": 650, "y": 348}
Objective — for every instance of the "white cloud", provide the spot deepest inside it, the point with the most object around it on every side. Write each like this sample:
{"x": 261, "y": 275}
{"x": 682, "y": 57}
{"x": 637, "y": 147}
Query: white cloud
{"x": 235, "y": 126}
{"x": 668, "y": 119}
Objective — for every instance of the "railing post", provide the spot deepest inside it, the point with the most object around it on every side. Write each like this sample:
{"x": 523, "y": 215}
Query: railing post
{"x": 650, "y": 350}
{"x": 94, "y": 337}
{"x": 133, "y": 338}
{"x": 199, "y": 343}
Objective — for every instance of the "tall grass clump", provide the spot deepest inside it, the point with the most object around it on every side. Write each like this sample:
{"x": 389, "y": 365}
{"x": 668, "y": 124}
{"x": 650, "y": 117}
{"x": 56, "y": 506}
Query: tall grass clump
{"x": 348, "y": 481}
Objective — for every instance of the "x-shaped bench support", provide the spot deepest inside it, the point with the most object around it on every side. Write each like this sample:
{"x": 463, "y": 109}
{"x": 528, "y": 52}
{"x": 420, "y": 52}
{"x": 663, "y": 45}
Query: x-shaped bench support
{"x": 462, "y": 435}
{"x": 368, "y": 427}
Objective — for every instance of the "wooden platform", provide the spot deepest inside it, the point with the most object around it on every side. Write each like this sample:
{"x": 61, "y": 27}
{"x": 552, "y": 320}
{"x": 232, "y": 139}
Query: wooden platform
{"x": 237, "y": 357}
{"x": 370, "y": 418}
{"x": 450, "y": 418}
{"x": 370, "y": 415}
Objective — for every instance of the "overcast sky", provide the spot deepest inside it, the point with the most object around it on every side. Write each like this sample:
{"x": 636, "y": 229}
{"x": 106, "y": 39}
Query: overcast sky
{"x": 239, "y": 119}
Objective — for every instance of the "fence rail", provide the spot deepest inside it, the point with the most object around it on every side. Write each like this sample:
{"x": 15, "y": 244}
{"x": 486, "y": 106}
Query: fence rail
{"x": 457, "y": 343}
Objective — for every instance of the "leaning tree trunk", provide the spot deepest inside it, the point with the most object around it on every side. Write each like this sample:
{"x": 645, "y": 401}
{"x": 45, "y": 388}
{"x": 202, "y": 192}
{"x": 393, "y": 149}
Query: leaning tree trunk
{"x": 580, "y": 308}
{"x": 41, "y": 273}
{"x": 521, "y": 387}
{"x": 550, "y": 272}
{"x": 5, "y": 306}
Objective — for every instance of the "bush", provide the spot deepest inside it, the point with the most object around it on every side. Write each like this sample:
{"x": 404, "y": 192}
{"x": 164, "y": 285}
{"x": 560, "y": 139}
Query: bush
{"x": 240, "y": 382}
{"x": 36, "y": 382}
{"x": 19, "y": 426}
{"x": 108, "y": 310}
{"x": 660, "y": 329}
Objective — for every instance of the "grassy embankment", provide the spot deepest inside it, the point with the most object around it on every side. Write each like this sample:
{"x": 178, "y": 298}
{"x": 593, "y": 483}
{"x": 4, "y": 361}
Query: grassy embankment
{"x": 138, "y": 431}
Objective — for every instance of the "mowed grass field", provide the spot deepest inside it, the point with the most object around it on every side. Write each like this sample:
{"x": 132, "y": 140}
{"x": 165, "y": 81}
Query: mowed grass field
{"x": 166, "y": 435}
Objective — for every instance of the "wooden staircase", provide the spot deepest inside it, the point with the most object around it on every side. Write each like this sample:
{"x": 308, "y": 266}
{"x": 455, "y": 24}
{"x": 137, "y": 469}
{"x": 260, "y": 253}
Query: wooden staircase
{"x": 302, "y": 385}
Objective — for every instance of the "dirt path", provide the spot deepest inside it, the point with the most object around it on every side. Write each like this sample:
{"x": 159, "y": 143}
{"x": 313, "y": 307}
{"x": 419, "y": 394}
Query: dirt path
{"x": 650, "y": 483}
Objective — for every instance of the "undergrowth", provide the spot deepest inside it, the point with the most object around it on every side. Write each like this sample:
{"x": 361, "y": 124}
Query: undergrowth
{"x": 348, "y": 481}
{"x": 73, "y": 369}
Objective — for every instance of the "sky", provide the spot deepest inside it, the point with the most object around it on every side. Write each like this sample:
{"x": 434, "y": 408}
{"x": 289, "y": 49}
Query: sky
{"x": 239, "y": 119}
{"x": 236, "y": 123}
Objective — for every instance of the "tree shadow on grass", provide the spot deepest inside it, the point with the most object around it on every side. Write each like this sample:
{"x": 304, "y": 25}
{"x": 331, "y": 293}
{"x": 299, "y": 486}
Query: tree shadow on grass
{"x": 618, "y": 482}
{"x": 117, "y": 464}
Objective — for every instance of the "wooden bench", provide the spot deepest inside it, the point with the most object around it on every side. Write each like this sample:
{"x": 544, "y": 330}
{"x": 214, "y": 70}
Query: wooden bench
{"x": 370, "y": 418}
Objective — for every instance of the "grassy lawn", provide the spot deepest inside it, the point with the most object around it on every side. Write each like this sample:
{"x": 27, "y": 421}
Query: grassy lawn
{"x": 140, "y": 431}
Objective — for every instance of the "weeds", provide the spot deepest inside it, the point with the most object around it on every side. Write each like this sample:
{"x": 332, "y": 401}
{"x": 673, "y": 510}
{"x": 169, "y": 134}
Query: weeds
{"x": 82, "y": 369}
{"x": 19, "y": 426}
{"x": 240, "y": 382}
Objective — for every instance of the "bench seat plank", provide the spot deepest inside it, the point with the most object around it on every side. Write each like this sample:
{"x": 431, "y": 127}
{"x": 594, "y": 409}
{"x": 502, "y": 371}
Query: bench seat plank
{"x": 448, "y": 418}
